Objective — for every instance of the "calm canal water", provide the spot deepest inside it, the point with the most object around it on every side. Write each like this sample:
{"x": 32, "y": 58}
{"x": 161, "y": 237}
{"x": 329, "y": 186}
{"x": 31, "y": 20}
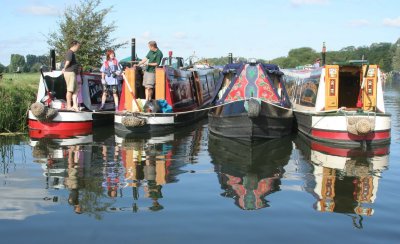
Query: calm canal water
{"x": 193, "y": 187}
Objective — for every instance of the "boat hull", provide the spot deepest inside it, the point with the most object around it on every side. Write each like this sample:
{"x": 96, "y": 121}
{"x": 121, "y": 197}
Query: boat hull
{"x": 156, "y": 124}
{"x": 64, "y": 121}
{"x": 234, "y": 122}
{"x": 332, "y": 128}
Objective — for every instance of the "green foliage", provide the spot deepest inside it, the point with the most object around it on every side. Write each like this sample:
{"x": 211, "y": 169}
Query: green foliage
{"x": 396, "y": 56}
{"x": 33, "y": 61}
{"x": 17, "y": 60}
{"x": 35, "y": 67}
{"x": 378, "y": 53}
{"x": 86, "y": 23}
{"x": 17, "y": 92}
{"x": 2, "y": 68}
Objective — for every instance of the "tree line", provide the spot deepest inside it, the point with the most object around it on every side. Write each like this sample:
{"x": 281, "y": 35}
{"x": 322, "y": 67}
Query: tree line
{"x": 385, "y": 54}
{"x": 20, "y": 63}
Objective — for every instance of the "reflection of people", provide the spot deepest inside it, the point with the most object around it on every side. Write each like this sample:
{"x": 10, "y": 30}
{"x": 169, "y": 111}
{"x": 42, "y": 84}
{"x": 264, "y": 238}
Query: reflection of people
{"x": 153, "y": 58}
{"x": 70, "y": 70}
{"x": 155, "y": 175}
{"x": 112, "y": 171}
{"x": 72, "y": 181}
{"x": 110, "y": 70}
{"x": 317, "y": 63}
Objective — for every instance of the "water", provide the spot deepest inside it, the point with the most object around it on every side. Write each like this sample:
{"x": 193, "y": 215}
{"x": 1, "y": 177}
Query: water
{"x": 192, "y": 187}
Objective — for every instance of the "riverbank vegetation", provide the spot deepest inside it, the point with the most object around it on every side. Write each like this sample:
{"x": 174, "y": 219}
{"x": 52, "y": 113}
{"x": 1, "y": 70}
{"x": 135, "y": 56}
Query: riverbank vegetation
{"x": 17, "y": 93}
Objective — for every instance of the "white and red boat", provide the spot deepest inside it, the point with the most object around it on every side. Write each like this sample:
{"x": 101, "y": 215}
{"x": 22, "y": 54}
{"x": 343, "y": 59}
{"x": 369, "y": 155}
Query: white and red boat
{"x": 48, "y": 115}
{"x": 341, "y": 103}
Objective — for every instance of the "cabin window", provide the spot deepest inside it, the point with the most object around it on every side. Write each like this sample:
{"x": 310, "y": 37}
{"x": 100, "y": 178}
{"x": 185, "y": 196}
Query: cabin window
{"x": 308, "y": 93}
{"x": 204, "y": 84}
{"x": 210, "y": 81}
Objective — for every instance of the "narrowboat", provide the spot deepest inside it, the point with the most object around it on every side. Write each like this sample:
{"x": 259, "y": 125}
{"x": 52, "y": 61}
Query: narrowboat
{"x": 249, "y": 171}
{"x": 48, "y": 115}
{"x": 181, "y": 97}
{"x": 340, "y": 103}
{"x": 345, "y": 180}
{"x": 251, "y": 103}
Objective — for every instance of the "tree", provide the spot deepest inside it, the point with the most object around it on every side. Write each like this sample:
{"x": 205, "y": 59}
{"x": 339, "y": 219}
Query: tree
{"x": 2, "y": 68}
{"x": 396, "y": 56}
{"x": 17, "y": 63}
{"x": 85, "y": 23}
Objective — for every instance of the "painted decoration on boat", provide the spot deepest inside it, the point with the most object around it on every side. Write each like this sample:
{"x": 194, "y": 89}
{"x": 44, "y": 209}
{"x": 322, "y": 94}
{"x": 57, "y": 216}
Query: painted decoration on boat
{"x": 252, "y": 82}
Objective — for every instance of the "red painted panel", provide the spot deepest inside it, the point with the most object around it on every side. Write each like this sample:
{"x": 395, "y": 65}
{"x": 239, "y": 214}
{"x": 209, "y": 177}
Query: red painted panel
{"x": 344, "y": 135}
{"x": 61, "y": 126}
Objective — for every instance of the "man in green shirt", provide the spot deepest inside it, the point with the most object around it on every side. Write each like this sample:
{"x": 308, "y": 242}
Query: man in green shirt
{"x": 153, "y": 59}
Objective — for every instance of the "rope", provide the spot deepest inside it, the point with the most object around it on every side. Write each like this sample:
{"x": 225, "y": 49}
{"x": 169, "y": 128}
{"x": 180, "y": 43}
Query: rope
{"x": 207, "y": 108}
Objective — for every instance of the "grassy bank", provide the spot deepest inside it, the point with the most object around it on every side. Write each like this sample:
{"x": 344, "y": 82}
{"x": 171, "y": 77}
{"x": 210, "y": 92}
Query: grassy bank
{"x": 17, "y": 93}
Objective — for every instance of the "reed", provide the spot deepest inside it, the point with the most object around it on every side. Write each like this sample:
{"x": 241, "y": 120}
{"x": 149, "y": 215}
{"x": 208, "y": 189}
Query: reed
{"x": 17, "y": 93}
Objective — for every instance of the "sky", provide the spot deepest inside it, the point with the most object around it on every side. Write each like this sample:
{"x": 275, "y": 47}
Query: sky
{"x": 262, "y": 29}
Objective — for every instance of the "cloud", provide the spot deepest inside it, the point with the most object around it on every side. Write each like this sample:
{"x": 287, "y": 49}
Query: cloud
{"x": 41, "y": 10}
{"x": 146, "y": 35}
{"x": 308, "y": 2}
{"x": 359, "y": 23}
{"x": 180, "y": 35}
{"x": 392, "y": 22}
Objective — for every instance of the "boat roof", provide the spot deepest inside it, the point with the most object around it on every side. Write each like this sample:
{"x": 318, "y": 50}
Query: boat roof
{"x": 270, "y": 68}
{"x": 352, "y": 63}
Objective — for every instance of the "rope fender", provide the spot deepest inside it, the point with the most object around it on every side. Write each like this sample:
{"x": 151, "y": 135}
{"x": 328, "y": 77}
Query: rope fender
{"x": 43, "y": 113}
{"x": 133, "y": 121}
{"x": 360, "y": 125}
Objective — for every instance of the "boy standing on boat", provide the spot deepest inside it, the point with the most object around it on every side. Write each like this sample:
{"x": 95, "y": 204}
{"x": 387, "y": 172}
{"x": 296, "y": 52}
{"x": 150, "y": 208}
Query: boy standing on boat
{"x": 110, "y": 70}
{"x": 153, "y": 59}
{"x": 70, "y": 71}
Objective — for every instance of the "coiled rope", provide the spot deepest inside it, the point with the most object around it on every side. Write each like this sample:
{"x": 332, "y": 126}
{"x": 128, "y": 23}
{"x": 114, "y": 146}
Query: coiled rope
{"x": 43, "y": 113}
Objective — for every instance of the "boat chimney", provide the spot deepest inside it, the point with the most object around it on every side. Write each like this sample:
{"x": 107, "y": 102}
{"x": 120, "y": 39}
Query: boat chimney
{"x": 230, "y": 58}
{"x": 170, "y": 57}
{"x": 323, "y": 54}
{"x": 53, "y": 59}
{"x": 133, "y": 49}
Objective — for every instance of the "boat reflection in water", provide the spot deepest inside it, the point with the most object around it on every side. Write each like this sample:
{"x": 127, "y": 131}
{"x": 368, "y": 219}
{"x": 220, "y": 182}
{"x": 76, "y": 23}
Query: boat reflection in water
{"x": 101, "y": 172}
{"x": 249, "y": 171}
{"x": 345, "y": 179}
{"x": 151, "y": 162}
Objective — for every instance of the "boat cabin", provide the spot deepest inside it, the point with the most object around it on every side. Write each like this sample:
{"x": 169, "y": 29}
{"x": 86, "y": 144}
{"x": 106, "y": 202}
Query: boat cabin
{"x": 181, "y": 88}
{"x": 353, "y": 85}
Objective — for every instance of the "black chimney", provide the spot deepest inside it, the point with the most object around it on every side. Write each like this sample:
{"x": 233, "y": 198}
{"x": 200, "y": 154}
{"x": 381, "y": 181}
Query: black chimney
{"x": 133, "y": 49}
{"x": 230, "y": 58}
{"x": 53, "y": 59}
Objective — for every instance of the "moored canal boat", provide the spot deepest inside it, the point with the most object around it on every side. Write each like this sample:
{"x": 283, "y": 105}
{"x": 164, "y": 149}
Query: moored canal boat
{"x": 48, "y": 115}
{"x": 181, "y": 97}
{"x": 251, "y": 103}
{"x": 341, "y": 103}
